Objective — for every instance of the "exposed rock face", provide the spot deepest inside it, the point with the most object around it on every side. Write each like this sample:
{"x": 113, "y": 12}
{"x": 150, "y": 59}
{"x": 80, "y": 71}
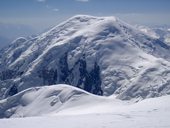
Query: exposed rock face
{"x": 89, "y": 81}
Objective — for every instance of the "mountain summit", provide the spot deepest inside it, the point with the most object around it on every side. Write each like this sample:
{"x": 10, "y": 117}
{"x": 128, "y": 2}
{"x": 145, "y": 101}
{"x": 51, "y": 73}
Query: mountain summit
{"x": 102, "y": 55}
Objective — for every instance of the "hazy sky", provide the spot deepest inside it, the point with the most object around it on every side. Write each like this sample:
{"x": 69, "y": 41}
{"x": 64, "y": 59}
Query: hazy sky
{"x": 41, "y": 14}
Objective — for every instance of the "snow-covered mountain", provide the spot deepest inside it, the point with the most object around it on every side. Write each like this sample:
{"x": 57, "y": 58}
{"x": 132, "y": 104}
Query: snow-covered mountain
{"x": 102, "y": 55}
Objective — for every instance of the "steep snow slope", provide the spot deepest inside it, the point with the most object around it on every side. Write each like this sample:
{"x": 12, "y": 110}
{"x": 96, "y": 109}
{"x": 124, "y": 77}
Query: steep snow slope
{"x": 39, "y": 101}
{"x": 102, "y": 55}
{"x": 75, "y": 108}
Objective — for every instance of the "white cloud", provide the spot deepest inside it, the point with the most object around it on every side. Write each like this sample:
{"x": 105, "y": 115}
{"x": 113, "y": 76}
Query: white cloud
{"x": 41, "y": 0}
{"x": 145, "y": 18}
{"x": 51, "y": 8}
{"x": 82, "y": 0}
{"x": 56, "y": 9}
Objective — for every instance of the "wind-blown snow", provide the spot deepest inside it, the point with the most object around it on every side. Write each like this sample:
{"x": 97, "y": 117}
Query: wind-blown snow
{"x": 44, "y": 100}
{"x": 148, "y": 31}
{"x": 75, "y": 108}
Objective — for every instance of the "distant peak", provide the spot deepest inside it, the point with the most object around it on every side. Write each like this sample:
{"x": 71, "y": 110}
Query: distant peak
{"x": 79, "y": 17}
{"x": 83, "y": 16}
{"x": 20, "y": 39}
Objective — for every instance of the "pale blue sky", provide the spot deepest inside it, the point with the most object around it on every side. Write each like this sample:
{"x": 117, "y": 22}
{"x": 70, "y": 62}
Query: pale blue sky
{"x": 41, "y": 14}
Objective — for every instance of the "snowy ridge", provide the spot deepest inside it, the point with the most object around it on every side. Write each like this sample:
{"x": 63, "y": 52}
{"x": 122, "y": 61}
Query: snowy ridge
{"x": 67, "y": 100}
{"x": 65, "y": 106}
{"x": 102, "y": 55}
{"x": 49, "y": 100}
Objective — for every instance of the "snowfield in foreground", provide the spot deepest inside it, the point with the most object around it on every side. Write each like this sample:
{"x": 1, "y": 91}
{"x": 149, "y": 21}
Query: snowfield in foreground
{"x": 63, "y": 106}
